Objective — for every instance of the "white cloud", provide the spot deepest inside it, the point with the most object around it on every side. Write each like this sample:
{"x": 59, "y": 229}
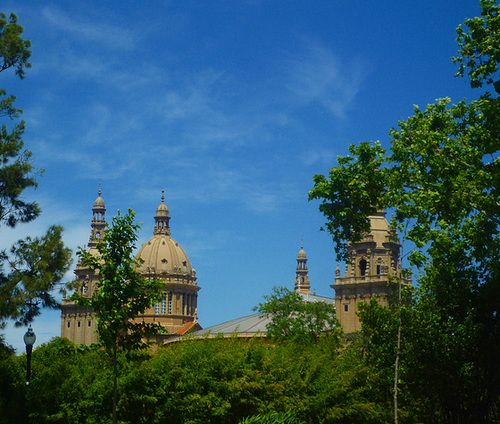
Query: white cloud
{"x": 320, "y": 76}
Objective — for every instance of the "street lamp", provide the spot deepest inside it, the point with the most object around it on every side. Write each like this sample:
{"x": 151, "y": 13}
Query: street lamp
{"x": 29, "y": 341}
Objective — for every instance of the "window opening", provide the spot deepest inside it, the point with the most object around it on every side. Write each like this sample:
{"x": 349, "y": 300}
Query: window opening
{"x": 362, "y": 267}
{"x": 164, "y": 304}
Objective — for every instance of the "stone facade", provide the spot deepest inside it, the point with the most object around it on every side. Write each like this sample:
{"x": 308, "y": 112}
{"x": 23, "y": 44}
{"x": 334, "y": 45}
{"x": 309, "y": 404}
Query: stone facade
{"x": 373, "y": 261}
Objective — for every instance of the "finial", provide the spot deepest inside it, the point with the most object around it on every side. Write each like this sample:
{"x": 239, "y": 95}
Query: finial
{"x": 162, "y": 195}
{"x": 302, "y": 243}
{"x": 99, "y": 187}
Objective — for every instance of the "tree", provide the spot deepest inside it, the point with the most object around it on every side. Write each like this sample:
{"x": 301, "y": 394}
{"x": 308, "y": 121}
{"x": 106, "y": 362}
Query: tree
{"x": 441, "y": 179}
{"x": 122, "y": 294}
{"x": 31, "y": 268}
{"x": 291, "y": 318}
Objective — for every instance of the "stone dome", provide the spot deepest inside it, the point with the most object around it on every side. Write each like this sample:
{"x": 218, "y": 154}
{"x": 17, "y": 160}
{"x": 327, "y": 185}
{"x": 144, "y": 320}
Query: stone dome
{"x": 302, "y": 254}
{"x": 162, "y": 210}
{"x": 99, "y": 203}
{"x": 163, "y": 255}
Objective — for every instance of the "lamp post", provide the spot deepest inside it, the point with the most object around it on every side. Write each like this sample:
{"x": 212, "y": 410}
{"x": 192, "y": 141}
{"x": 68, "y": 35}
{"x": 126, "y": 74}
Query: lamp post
{"x": 29, "y": 341}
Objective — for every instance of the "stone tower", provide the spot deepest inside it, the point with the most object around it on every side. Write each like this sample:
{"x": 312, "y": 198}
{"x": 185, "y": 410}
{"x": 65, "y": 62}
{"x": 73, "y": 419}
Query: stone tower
{"x": 79, "y": 324}
{"x": 302, "y": 278}
{"x": 163, "y": 258}
{"x": 372, "y": 261}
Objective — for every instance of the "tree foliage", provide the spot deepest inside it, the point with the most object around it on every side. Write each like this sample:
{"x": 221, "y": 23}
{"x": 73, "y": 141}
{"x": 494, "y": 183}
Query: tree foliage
{"x": 200, "y": 381}
{"x": 31, "y": 268}
{"x": 121, "y": 293}
{"x": 441, "y": 180}
{"x": 293, "y": 319}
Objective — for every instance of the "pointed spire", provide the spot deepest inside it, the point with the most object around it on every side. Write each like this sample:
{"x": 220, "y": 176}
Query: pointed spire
{"x": 162, "y": 218}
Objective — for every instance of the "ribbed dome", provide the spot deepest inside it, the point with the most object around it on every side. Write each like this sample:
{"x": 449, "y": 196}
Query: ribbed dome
{"x": 163, "y": 255}
{"x": 99, "y": 203}
{"x": 162, "y": 210}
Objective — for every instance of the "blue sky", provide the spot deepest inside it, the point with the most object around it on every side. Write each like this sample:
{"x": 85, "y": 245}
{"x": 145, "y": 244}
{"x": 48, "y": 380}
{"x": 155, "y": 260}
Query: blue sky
{"x": 230, "y": 106}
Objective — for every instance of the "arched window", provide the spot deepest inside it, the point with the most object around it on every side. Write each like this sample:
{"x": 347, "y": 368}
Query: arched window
{"x": 362, "y": 267}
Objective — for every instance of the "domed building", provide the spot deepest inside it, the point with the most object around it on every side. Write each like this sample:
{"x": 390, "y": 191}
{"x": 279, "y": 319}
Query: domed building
{"x": 162, "y": 258}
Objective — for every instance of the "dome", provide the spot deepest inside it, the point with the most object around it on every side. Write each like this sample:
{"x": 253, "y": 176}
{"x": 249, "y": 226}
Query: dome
{"x": 162, "y": 210}
{"x": 302, "y": 254}
{"x": 163, "y": 255}
{"x": 99, "y": 203}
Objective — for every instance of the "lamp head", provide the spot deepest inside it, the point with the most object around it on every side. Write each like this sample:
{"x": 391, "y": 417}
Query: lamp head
{"x": 29, "y": 337}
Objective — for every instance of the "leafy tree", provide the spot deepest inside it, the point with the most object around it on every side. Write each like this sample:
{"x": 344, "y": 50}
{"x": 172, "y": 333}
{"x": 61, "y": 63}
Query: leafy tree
{"x": 441, "y": 179}
{"x": 291, "y": 318}
{"x": 121, "y": 293}
{"x": 31, "y": 268}
{"x": 219, "y": 381}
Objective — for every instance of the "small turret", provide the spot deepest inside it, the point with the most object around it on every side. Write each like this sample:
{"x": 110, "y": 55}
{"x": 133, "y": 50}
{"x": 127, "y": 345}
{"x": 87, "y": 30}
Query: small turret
{"x": 98, "y": 221}
{"x": 302, "y": 278}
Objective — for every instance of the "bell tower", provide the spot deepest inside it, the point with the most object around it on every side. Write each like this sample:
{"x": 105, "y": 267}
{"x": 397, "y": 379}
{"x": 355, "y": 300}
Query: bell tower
{"x": 79, "y": 324}
{"x": 302, "y": 278}
{"x": 372, "y": 262}
{"x": 98, "y": 221}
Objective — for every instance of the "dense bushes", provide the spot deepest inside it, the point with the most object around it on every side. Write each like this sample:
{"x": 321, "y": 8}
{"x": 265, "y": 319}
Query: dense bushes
{"x": 197, "y": 381}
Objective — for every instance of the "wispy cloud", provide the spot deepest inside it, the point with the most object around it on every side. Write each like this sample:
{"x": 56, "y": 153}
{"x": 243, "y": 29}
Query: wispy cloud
{"x": 318, "y": 75}
{"x": 103, "y": 33}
